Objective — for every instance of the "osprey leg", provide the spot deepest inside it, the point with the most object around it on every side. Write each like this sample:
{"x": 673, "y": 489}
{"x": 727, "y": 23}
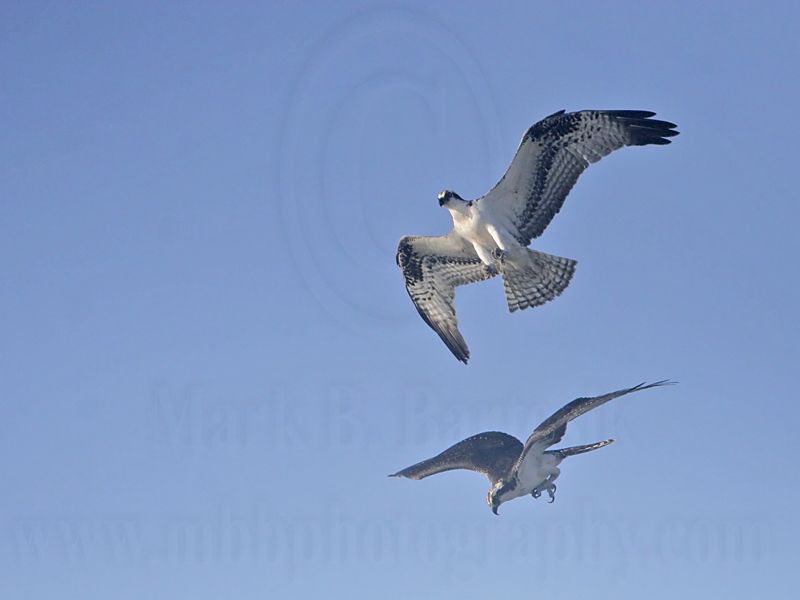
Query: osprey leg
{"x": 548, "y": 486}
{"x": 531, "y": 278}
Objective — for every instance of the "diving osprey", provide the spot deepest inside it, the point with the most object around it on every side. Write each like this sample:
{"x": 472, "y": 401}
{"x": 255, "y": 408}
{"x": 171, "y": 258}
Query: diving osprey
{"x": 490, "y": 235}
{"x": 516, "y": 470}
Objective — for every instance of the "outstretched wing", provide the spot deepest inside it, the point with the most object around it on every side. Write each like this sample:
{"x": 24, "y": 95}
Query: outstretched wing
{"x": 555, "y": 151}
{"x": 432, "y": 268}
{"x": 552, "y": 429}
{"x": 492, "y": 453}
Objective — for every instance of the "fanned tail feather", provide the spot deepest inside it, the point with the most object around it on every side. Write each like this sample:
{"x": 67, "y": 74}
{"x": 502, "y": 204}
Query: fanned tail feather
{"x": 535, "y": 278}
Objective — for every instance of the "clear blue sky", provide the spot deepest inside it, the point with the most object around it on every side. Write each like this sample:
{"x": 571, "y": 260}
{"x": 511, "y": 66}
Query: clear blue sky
{"x": 209, "y": 361}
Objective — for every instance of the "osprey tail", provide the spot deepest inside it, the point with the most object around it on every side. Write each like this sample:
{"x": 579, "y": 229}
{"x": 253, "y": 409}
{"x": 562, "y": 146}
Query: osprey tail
{"x": 573, "y": 450}
{"x": 533, "y": 278}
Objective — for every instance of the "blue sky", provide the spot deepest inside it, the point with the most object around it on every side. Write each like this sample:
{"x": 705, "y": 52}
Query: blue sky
{"x": 209, "y": 361}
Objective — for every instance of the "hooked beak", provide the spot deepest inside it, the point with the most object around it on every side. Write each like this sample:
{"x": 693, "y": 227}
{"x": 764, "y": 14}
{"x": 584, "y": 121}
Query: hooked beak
{"x": 495, "y": 507}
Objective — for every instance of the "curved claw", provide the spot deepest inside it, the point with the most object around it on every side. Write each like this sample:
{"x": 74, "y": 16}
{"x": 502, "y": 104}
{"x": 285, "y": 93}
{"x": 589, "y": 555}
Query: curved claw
{"x": 536, "y": 493}
{"x": 551, "y": 491}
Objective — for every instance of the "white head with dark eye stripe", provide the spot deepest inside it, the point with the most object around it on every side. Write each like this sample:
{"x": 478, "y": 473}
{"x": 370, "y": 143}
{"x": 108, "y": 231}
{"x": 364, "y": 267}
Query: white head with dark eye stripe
{"x": 448, "y": 196}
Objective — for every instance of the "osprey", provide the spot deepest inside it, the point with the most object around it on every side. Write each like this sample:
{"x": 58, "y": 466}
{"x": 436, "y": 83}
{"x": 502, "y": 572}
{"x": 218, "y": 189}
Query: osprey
{"x": 490, "y": 235}
{"x": 516, "y": 470}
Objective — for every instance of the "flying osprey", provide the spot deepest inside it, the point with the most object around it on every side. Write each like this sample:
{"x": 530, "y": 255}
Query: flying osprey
{"x": 516, "y": 470}
{"x": 490, "y": 235}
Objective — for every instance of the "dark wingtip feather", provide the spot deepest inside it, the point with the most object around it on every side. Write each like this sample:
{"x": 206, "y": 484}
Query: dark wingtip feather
{"x": 642, "y": 129}
{"x": 630, "y": 114}
{"x": 460, "y": 354}
{"x": 649, "y": 131}
{"x": 663, "y": 382}
{"x": 653, "y": 123}
{"x": 444, "y": 335}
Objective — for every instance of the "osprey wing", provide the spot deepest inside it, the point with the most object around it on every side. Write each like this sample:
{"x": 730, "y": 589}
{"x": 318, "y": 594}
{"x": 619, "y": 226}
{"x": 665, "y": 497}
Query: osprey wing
{"x": 432, "y": 268}
{"x": 492, "y": 453}
{"x": 555, "y": 151}
{"x": 552, "y": 429}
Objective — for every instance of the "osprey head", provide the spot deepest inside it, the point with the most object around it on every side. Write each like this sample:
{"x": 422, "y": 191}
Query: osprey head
{"x": 499, "y": 494}
{"x": 448, "y": 196}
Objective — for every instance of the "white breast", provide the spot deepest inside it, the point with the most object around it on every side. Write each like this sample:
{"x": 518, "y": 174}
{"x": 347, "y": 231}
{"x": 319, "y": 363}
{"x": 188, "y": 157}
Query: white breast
{"x": 535, "y": 469}
{"x": 471, "y": 225}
